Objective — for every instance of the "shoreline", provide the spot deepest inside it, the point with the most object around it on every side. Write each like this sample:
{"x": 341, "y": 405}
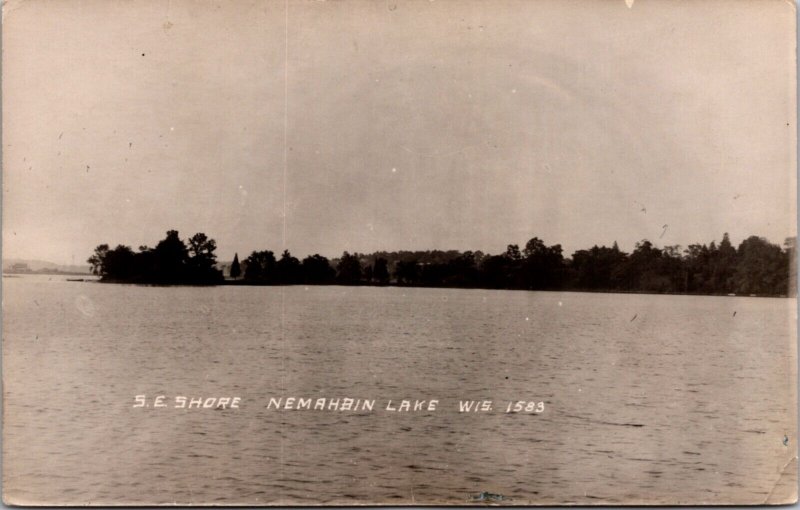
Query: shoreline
{"x": 243, "y": 283}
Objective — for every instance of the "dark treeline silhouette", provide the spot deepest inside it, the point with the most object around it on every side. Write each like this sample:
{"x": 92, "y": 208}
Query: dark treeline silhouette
{"x": 262, "y": 268}
{"x": 755, "y": 267}
{"x": 171, "y": 262}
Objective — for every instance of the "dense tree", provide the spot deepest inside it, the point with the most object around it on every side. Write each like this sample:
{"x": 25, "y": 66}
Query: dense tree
{"x": 597, "y": 268}
{"x": 236, "y": 268}
{"x": 288, "y": 270}
{"x": 201, "y": 251}
{"x": 168, "y": 263}
{"x": 407, "y": 272}
{"x": 640, "y": 271}
{"x": 462, "y": 271}
{"x": 119, "y": 263}
{"x": 260, "y": 267}
{"x": 543, "y": 267}
{"x": 762, "y": 268}
{"x": 513, "y": 253}
{"x": 97, "y": 260}
{"x": 698, "y": 268}
{"x": 202, "y": 259}
{"x": 380, "y": 271}
{"x": 317, "y": 270}
{"x": 497, "y": 272}
{"x": 171, "y": 258}
{"x": 348, "y": 271}
{"x": 724, "y": 265}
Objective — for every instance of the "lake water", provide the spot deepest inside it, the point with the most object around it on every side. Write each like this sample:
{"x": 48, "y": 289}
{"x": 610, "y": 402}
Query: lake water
{"x": 647, "y": 399}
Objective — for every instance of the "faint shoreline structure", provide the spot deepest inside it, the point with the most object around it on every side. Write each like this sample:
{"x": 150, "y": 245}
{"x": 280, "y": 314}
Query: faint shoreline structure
{"x": 43, "y": 268}
{"x": 18, "y": 268}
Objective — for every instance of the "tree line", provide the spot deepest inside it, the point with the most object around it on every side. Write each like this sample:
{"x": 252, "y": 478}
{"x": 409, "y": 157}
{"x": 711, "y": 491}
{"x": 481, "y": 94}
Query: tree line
{"x": 171, "y": 262}
{"x": 756, "y": 266}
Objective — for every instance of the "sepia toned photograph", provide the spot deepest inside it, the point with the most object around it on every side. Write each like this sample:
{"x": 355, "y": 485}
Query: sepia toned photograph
{"x": 399, "y": 252}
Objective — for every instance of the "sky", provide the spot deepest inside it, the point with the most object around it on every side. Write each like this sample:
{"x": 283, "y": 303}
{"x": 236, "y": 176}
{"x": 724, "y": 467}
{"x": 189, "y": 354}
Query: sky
{"x": 325, "y": 126}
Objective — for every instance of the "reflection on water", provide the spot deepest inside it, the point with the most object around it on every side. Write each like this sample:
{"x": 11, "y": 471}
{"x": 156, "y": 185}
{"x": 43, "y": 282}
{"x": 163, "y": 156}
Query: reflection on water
{"x": 648, "y": 399}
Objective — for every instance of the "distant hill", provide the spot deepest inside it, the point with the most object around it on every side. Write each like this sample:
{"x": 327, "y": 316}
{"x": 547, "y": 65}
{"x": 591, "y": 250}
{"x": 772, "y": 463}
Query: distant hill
{"x": 40, "y": 266}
